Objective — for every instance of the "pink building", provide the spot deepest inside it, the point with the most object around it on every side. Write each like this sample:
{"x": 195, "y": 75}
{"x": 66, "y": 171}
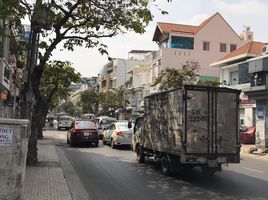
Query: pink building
{"x": 207, "y": 43}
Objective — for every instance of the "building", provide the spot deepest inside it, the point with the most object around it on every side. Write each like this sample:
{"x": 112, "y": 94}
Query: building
{"x": 114, "y": 74}
{"x": 10, "y": 75}
{"x": 234, "y": 73}
{"x": 86, "y": 83}
{"x": 210, "y": 41}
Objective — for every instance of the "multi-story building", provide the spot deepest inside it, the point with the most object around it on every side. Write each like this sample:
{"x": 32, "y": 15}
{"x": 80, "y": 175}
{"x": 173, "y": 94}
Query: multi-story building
{"x": 234, "y": 73}
{"x": 86, "y": 83}
{"x": 10, "y": 75}
{"x": 114, "y": 74}
{"x": 211, "y": 40}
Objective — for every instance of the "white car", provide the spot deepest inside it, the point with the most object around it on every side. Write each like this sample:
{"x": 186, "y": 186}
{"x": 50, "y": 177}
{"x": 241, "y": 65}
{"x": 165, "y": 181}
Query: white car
{"x": 64, "y": 122}
{"x": 118, "y": 134}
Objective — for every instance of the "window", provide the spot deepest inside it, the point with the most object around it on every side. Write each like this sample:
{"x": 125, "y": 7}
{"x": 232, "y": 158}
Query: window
{"x": 223, "y": 47}
{"x": 182, "y": 42}
{"x": 232, "y": 47}
{"x": 244, "y": 76}
{"x": 6, "y": 75}
{"x": 249, "y": 37}
{"x": 206, "y": 46}
{"x": 234, "y": 77}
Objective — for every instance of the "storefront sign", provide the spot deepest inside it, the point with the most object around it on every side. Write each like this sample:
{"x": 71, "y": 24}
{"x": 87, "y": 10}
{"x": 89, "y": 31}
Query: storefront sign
{"x": 3, "y": 95}
{"x": 6, "y": 135}
{"x": 260, "y": 113}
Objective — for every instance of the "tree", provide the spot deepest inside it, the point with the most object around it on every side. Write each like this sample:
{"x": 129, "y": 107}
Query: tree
{"x": 75, "y": 23}
{"x": 70, "y": 108}
{"x": 89, "y": 101}
{"x": 173, "y": 78}
{"x": 54, "y": 84}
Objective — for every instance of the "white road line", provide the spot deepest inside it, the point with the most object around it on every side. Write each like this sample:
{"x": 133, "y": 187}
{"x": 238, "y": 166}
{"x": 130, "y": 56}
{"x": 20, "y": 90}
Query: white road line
{"x": 254, "y": 170}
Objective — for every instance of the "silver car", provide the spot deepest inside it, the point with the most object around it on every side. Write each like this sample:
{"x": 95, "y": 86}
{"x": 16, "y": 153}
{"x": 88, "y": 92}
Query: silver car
{"x": 64, "y": 122}
{"x": 118, "y": 134}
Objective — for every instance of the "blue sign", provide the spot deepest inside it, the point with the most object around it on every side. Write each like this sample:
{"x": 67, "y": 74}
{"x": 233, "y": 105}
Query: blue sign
{"x": 260, "y": 113}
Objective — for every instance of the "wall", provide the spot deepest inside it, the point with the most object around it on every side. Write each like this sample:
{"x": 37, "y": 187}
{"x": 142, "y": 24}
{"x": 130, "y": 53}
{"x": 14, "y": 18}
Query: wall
{"x": 216, "y": 31}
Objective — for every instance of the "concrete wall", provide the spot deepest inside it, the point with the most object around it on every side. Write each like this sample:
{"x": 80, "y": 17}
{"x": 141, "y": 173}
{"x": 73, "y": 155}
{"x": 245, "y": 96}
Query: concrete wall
{"x": 13, "y": 149}
{"x": 262, "y": 123}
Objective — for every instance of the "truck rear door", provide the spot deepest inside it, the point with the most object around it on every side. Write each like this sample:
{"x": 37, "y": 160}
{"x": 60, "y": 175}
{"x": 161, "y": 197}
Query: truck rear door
{"x": 211, "y": 120}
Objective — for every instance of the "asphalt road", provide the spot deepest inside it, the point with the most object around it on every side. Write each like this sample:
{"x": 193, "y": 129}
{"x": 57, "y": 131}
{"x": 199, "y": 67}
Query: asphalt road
{"x": 103, "y": 173}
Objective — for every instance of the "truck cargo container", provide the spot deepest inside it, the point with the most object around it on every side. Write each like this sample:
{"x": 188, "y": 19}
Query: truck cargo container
{"x": 192, "y": 126}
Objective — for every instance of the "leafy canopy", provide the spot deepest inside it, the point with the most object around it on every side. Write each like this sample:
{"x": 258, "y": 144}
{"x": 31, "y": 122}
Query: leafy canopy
{"x": 56, "y": 80}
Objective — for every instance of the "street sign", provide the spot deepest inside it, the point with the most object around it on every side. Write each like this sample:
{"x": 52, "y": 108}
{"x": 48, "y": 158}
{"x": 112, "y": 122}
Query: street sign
{"x": 6, "y": 135}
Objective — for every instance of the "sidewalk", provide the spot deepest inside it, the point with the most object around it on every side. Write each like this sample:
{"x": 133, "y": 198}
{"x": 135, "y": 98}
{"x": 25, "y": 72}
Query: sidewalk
{"x": 245, "y": 151}
{"x": 46, "y": 180}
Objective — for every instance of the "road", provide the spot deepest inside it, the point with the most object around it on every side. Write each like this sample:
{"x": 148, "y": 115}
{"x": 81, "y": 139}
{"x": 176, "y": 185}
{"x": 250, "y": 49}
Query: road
{"x": 103, "y": 173}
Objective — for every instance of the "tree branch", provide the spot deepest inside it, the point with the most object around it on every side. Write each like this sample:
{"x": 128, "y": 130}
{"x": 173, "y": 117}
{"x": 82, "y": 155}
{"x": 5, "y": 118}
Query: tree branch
{"x": 89, "y": 36}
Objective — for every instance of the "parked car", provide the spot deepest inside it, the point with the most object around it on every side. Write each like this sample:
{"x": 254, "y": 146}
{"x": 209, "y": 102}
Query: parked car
{"x": 83, "y": 132}
{"x": 102, "y": 123}
{"x": 88, "y": 116}
{"x": 248, "y": 136}
{"x": 64, "y": 122}
{"x": 118, "y": 134}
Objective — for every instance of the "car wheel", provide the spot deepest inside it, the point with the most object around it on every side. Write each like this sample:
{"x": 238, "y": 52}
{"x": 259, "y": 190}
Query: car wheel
{"x": 140, "y": 154}
{"x": 96, "y": 144}
{"x": 71, "y": 144}
{"x": 112, "y": 144}
{"x": 104, "y": 142}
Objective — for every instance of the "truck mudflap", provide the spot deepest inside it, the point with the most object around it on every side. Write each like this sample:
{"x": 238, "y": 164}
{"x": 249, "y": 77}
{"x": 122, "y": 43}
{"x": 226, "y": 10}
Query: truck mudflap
{"x": 211, "y": 122}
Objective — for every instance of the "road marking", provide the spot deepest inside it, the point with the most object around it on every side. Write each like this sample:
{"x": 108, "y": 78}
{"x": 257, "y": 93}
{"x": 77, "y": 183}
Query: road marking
{"x": 254, "y": 170}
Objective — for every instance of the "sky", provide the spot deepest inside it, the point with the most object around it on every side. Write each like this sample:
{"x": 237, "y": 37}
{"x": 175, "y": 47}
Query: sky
{"x": 238, "y": 13}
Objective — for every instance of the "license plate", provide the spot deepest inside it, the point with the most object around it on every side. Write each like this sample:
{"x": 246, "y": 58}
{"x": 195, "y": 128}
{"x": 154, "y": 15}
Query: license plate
{"x": 86, "y": 134}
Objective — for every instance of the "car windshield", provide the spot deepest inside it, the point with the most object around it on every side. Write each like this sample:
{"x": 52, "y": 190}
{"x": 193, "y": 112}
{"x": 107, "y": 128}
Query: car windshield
{"x": 122, "y": 126}
{"x": 107, "y": 121}
{"x": 65, "y": 118}
{"x": 85, "y": 125}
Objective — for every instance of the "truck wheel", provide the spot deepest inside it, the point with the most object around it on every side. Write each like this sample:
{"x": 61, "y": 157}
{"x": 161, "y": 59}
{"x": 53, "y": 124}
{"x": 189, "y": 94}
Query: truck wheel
{"x": 208, "y": 171}
{"x": 165, "y": 165}
{"x": 140, "y": 154}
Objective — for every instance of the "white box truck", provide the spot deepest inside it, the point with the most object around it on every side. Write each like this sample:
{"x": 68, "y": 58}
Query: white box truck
{"x": 193, "y": 126}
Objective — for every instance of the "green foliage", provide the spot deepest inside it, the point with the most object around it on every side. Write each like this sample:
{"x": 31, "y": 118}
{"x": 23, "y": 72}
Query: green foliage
{"x": 69, "y": 108}
{"x": 89, "y": 101}
{"x": 173, "y": 78}
{"x": 213, "y": 83}
{"x": 55, "y": 81}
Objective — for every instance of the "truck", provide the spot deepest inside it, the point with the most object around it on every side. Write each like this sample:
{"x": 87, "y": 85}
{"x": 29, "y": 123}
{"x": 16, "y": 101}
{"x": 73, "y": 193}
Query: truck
{"x": 191, "y": 126}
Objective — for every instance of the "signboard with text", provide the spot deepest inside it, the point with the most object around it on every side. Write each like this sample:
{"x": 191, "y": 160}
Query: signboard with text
{"x": 6, "y": 135}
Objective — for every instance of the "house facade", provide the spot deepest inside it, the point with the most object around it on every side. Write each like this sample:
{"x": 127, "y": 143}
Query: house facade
{"x": 206, "y": 43}
{"x": 114, "y": 74}
{"x": 10, "y": 75}
{"x": 234, "y": 73}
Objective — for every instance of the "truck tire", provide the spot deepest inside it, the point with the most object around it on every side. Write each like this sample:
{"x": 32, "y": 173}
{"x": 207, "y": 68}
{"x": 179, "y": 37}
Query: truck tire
{"x": 207, "y": 171}
{"x": 140, "y": 154}
{"x": 165, "y": 165}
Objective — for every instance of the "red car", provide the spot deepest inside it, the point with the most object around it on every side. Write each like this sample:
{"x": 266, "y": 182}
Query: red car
{"x": 248, "y": 136}
{"x": 83, "y": 132}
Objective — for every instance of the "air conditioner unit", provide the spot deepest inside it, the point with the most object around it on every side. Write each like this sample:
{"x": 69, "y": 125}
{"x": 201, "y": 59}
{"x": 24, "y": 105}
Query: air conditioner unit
{"x": 265, "y": 49}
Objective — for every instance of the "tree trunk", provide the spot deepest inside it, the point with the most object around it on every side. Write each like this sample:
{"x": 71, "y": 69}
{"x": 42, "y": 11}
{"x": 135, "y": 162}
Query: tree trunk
{"x": 43, "y": 109}
{"x": 32, "y": 146}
